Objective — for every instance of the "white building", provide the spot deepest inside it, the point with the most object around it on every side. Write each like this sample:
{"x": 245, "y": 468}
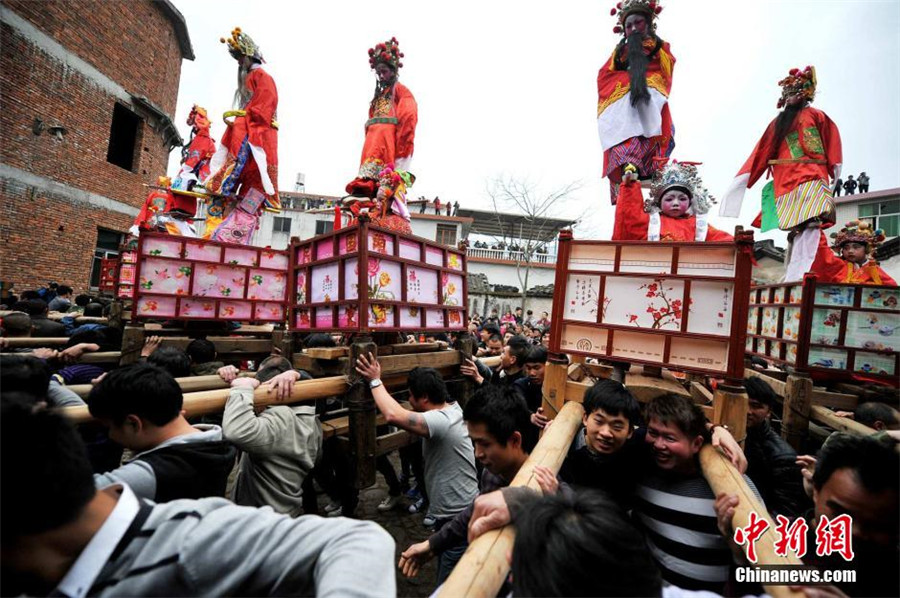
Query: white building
{"x": 882, "y": 210}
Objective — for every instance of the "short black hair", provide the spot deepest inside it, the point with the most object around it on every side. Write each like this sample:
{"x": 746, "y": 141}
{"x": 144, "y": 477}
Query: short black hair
{"x": 26, "y": 295}
{"x": 201, "y": 350}
{"x": 519, "y": 347}
{"x": 271, "y": 366}
{"x": 63, "y": 290}
{"x": 679, "y": 410}
{"x": 17, "y": 324}
{"x": 427, "y": 382}
{"x": 82, "y": 300}
{"x": 24, "y": 374}
{"x": 319, "y": 339}
{"x": 141, "y": 389}
{"x": 875, "y": 464}
{"x": 537, "y": 354}
{"x": 46, "y": 473}
{"x": 492, "y": 328}
{"x": 872, "y": 411}
{"x": 93, "y": 310}
{"x": 32, "y": 307}
{"x": 575, "y": 535}
{"x": 494, "y": 337}
{"x": 759, "y": 390}
{"x": 503, "y": 410}
{"x": 172, "y": 359}
{"x": 614, "y": 399}
{"x": 108, "y": 339}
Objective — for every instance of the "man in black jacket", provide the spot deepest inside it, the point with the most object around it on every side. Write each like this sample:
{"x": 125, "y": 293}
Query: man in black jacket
{"x": 771, "y": 461}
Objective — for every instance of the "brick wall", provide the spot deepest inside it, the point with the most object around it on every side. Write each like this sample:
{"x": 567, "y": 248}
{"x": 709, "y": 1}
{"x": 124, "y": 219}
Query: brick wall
{"x": 35, "y": 250}
{"x": 132, "y": 42}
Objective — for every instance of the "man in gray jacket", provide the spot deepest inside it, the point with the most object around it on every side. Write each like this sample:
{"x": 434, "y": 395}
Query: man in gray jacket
{"x": 61, "y": 536}
{"x": 280, "y": 444}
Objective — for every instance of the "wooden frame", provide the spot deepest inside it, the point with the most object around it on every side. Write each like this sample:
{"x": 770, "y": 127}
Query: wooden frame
{"x": 782, "y": 328}
{"x": 620, "y": 265}
{"x": 361, "y": 243}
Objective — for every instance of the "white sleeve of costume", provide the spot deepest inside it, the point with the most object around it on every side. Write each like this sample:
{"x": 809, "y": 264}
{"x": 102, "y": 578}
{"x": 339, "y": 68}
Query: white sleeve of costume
{"x": 802, "y": 254}
{"x": 403, "y": 163}
{"x": 734, "y": 196}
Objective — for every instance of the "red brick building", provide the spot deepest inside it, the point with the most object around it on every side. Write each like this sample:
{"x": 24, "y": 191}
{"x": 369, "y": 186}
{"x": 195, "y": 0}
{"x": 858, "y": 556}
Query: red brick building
{"x": 88, "y": 90}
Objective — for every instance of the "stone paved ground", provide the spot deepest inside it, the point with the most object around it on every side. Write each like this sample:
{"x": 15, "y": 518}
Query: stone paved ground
{"x": 405, "y": 528}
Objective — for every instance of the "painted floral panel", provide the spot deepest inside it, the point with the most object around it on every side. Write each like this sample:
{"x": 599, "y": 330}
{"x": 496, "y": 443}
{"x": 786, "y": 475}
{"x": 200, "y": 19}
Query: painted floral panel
{"x": 770, "y": 321}
{"x": 753, "y": 320}
{"x": 381, "y": 243}
{"x": 324, "y": 317}
{"x": 197, "y": 308}
{"x": 790, "y": 355}
{"x": 410, "y": 250}
{"x": 304, "y": 254}
{"x": 235, "y": 256}
{"x": 267, "y": 285}
{"x": 301, "y": 286}
{"x": 834, "y": 295}
{"x": 203, "y": 252}
{"x": 455, "y": 318}
{"x": 325, "y": 248}
{"x": 348, "y": 316}
{"x": 873, "y": 330}
{"x": 795, "y": 295}
{"x": 381, "y": 316}
{"x": 411, "y": 317}
{"x": 273, "y": 259}
{"x": 711, "y": 308}
{"x": 126, "y": 274}
{"x": 324, "y": 283}
{"x": 791, "y": 326}
{"x": 351, "y": 279}
{"x": 873, "y": 363}
{"x": 166, "y": 277}
{"x": 454, "y": 260}
{"x": 826, "y": 326}
{"x": 301, "y": 319}
{"x": 451, "y": 289}
{"x": 384, "y": 279}
{"x": 421, "y": 285}
{"x": 271, "y": 312}
{"x": 778, "y": 296}
{"x": 880, "y": 298}
{"x": 155, "y": 307}
{"x": 236, "y": 310}
{"x": 219, "y": 281}
{"x": 834, "y": 359}
{"x": 161, "y": 246}
{"x": 583, "y": 298}
{"x": 644, "y": 302}
{"x": 434, "y": 256}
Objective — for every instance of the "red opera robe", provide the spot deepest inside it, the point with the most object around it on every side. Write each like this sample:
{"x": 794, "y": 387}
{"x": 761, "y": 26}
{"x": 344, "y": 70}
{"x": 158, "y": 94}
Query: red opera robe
{"x": 199, "y": 153}
{"x": 829, "y": 267}
{"x": 635, "y": 134}
{"x": 248, "y": 156}
{"x": 809, "y": 154}
{"x": 634, "y": 224}
{"x": 390, "y": 138}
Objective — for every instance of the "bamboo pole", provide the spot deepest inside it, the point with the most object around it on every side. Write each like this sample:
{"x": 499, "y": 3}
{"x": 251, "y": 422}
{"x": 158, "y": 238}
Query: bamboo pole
{"x": 826, "y": 416}
{"x": 482, "y": 569}
{"x": 189, "y": 384}
{"x": 34, "y": 341}
{"x": 213, "y": 401}
{"x": 723, "y": 477}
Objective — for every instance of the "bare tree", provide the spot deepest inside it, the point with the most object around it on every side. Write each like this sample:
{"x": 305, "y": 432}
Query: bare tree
{"x": 539, "y": 223}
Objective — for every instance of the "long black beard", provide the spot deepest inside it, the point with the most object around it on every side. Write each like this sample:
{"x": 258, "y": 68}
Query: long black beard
{"x": 382, "y": 89}
{"x": 783, "y": 124}
{"x": 637, "y": 68}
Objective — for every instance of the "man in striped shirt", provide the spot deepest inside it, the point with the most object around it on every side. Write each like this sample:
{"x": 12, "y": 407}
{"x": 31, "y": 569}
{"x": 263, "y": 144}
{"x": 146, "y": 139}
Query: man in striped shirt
{"x": 674, "y": 505}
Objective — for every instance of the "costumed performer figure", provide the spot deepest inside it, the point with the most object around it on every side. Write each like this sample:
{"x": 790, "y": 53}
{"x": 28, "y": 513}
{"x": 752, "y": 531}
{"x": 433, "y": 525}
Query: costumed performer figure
{"x": 856, "y": 243}
{"x": 391, "y": 128}
{"x": 199, "y": 151}
{"x": 248, "y": 156}
{"x": 676, "y": 211}
{"x": 388, "y": 209}
{"x": 166, "y": 211}
{"x": 633, "y": 88}
{"x": 801, "y": 149}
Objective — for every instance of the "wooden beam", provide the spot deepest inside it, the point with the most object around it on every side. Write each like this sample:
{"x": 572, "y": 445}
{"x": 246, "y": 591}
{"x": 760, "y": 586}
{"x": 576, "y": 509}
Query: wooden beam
{"x": 189, "y": 384}
{"x": 555, "y": 391}
{"x": 795, "y": 416}
{"x": 820, "y": 396}
{"x": 263, "y": 329}
{"x": 35, "y": 341}
{"x": 213, "y": 401}
{"x": 483, "y": 568}
{"x": 362, "y": 415}
{"x": 730, "y": 409}
{"x": 824, "y": 415}
{"x": 724, "y": 478}
{"x": 328, "y": 352}
{"x": 645, "y": 388}
{"x": 777, "y": 385}
{"x": 404, "y": 363}
{"x": 700, "y": 394}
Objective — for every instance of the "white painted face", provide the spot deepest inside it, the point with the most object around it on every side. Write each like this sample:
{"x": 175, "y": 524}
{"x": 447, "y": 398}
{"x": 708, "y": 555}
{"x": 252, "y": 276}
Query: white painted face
{"x": 675, "y": 203}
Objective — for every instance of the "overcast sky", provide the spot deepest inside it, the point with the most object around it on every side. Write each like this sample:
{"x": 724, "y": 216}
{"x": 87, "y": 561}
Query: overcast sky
{"x": 509, "y": 88}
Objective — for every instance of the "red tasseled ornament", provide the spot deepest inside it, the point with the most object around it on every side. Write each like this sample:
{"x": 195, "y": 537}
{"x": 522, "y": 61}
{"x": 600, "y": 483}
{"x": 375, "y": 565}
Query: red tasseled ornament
{"x": 612, "y": 12}
{"x": 399, "y": 65}
{"x": 658, "y": 9}
{"x": 619, "y": 6}
{"x": 617, "y": 29}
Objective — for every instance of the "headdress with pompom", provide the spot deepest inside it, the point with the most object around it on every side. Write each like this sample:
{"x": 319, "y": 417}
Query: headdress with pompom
{"x": 858, "y": 231}
{"x": 198, "y": 117}
{"x": 626, "y": 8}
{"x": 387, "y": 53}
{"x": 679, "y": 175}
{"x": 241, "y": 44}
{"x": 798, "y": 84}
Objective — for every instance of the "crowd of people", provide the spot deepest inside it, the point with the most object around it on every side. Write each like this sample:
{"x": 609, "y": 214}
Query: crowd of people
{"x": 149, "y": 501}
{"x": 850, "y": 185}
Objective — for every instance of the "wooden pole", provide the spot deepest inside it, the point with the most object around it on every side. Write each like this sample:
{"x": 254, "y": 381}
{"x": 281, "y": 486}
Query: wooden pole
{"x": 465, "y": 344}
{"x": 132, "y": 343}
{"x": 482, "y": 569}
{"x": 34, "y": 341}
{"x": 188, "y": 385}
{"x": 826, "y": 416}
{"x": 724, "y": 478}
{"x": 730, "y": 409}
{"x": 116, "y": 315}
{"x": 362, "y": 416}
{"x": 556, "y": 374}
{"x": 213, "y": 401}
{"x": 797, "y": 404}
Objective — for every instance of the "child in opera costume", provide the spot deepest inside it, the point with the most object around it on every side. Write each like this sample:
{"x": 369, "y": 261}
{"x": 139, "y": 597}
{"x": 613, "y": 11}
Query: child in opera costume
{"x": 676, "y": 211}
{"x": 856, "y": 244}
